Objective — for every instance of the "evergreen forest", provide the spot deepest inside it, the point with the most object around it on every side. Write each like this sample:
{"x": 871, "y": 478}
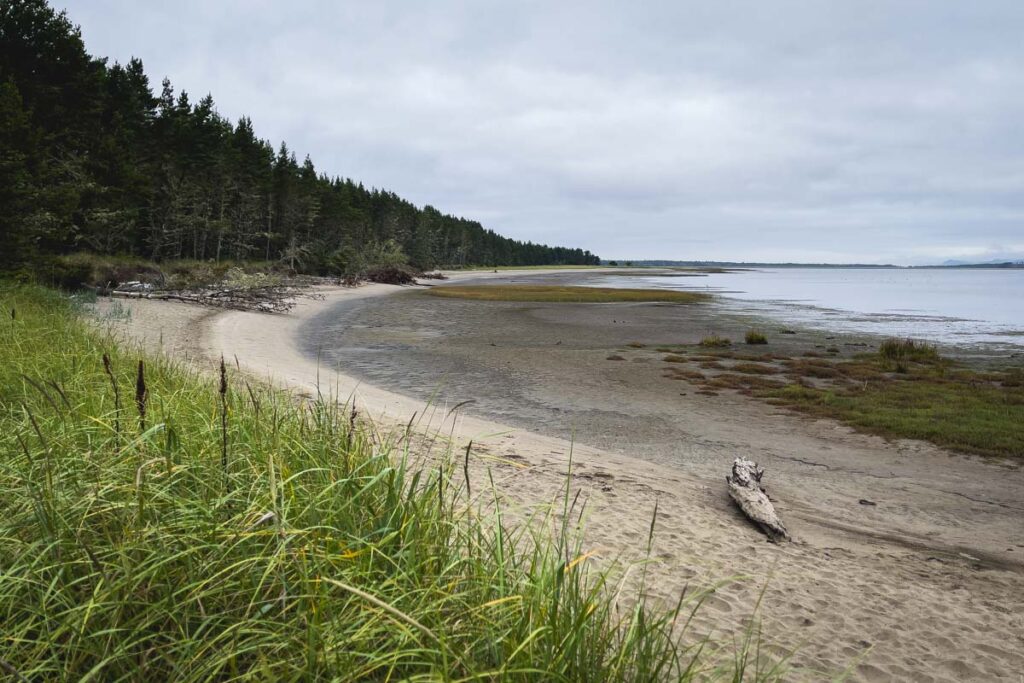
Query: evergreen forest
{"x": 94, "y": 159}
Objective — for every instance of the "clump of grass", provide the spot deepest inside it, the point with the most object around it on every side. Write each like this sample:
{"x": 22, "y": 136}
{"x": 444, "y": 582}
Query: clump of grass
{"x": 755, "y": 337}
{"x": 683, "y": 373}
{"x": 675, "y": 358}
{"x": 908, "y": 350}
{"x": 755, "y": 369}
{"x": 320, "y": 553}
{"x": 566, "y": 294}
{"x": 813, "y": 368}
{"x": 758, "y": 357}
{"x": 636, "y": 345}
{"x": 714, "y": 341}
{"x": 718, "y": 355}
{"x": 744, "y": 384}
{"x": 615, "y": 356}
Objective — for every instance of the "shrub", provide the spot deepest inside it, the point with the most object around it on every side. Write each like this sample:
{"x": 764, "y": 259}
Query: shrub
{"x": 755, "y": 337}
{"x": 65, "y": 274}
{"x": 89, "y": 270}
{"x": 392, "y": 274}
{"x": 714, "y": 341}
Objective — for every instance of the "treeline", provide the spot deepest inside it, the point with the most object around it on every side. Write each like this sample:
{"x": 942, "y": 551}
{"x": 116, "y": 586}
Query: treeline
{"x": 91, "y": 159}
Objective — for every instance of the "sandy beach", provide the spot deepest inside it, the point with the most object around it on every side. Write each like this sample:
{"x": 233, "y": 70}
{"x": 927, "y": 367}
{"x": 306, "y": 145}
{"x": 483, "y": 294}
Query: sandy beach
{"x": 927, "y": 584}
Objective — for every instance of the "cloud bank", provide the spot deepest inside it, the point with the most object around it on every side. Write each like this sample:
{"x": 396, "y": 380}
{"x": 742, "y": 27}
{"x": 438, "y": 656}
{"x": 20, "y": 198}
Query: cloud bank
{"x": 782, "y": 131}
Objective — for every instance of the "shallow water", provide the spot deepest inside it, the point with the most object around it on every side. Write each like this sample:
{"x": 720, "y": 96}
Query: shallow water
{"x": 949, "y": 306}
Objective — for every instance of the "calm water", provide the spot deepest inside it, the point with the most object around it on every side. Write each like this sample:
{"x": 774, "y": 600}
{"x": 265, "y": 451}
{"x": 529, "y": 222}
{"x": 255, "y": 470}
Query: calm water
{"x": 962, "y": 306}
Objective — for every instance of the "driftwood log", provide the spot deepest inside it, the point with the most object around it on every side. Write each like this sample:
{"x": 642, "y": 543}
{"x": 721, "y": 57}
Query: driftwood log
{"x": 745, "y": 488}
{"x": 270, "y": 299}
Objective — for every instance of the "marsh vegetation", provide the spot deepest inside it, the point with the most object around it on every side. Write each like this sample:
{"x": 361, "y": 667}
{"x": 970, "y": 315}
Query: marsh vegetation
{"x": 906, "y": 389}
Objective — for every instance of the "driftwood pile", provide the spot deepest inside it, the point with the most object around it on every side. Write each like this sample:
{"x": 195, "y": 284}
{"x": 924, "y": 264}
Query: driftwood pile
{"x": 267, "y": 293}
{"x": 267, "y": 298}
{"x": 745, "y": 488}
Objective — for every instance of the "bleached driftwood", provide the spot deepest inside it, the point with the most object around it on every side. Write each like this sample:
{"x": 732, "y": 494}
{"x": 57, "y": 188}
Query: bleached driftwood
{"x": 745, "y": 488}
{"x": 271, "y": 299}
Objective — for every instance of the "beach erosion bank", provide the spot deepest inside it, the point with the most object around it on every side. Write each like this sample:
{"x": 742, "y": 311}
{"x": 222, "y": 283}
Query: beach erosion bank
{"x": 924, "y": 585}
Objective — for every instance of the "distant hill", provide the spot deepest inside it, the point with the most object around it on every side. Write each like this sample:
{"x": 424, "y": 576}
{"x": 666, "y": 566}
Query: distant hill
{"x": 741, "y": 264}
{"x": 999, "y": 263}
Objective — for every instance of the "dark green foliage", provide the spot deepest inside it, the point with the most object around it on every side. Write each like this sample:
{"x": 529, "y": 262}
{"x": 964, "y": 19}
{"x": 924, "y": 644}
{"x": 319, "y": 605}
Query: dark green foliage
{"x": 91, "y": 160}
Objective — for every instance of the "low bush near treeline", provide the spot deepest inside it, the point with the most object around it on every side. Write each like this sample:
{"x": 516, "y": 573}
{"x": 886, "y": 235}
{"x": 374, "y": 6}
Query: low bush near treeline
{"x": 156, "y": 524}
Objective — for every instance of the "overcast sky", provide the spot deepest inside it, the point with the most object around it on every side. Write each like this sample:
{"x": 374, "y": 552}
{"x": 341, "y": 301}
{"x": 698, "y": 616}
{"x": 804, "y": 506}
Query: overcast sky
{"x": 759, "y": 131}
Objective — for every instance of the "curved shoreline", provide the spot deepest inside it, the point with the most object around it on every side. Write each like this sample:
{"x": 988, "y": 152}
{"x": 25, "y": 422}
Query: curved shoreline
{"x": 838, "y": 593}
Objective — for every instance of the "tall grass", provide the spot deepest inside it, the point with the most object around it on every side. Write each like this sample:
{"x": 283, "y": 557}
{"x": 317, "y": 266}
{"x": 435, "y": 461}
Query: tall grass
{"x": 223, "y": 531}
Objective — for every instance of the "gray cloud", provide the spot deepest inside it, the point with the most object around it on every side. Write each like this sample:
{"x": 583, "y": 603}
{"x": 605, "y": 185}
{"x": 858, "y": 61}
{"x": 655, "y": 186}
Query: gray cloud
{"x": 869, "y": 131}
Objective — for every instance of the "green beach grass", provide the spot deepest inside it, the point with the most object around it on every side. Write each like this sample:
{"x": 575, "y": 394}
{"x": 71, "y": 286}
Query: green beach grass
{"x": 158, "y": 524}
{"x": 566, "y": 294}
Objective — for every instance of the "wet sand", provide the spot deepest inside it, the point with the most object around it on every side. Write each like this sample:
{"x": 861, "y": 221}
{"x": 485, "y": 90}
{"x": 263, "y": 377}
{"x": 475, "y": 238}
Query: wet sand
{"x": 928, "y": 585}
{"x": 544, "y": 368}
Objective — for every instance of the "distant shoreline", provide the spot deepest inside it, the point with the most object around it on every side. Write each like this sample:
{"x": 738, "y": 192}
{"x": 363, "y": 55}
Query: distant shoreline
{"x": 1012, "y": 265}
{"x": 973, "y": 313}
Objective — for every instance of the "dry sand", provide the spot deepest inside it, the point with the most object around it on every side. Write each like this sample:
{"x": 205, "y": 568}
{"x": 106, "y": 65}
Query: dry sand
{"x": 926, "y": 587}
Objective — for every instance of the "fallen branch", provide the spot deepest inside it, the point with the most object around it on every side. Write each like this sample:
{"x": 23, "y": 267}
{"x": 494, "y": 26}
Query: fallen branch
{"x": 745, "y": 488}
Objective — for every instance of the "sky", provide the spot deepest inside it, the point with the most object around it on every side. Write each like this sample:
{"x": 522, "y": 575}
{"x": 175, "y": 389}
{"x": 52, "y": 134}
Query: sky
{"x": 872, "y": 132}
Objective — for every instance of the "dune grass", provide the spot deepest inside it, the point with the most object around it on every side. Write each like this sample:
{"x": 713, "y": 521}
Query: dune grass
{"x": 560, "y": 294}
{"x": 156, "y": 524}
